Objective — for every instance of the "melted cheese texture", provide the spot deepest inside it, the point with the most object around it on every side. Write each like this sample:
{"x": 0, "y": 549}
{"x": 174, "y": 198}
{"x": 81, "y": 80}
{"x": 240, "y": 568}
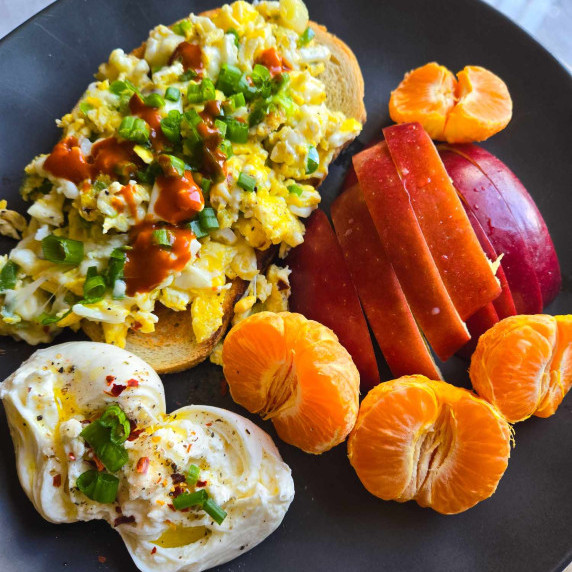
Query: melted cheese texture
{"x": 53, "y": 395}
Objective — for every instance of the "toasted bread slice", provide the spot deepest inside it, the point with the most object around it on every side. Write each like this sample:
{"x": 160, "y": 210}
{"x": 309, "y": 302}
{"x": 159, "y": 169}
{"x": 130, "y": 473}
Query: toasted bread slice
{"x": 172, "y": 346}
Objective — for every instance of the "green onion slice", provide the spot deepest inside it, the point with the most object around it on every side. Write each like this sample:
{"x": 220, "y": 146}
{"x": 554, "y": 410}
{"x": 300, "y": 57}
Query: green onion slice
{"x": 181, "y": 28}
{"x": 171, "y": 126}
{"x": 197, "y": 229}
{"x": 226, "y": 148}
{"x": 172, "y": 166}
{"x": 173, "y": 94}
{"x": 233, "y": 32}
{"x": 193, "y": 475}
{"x": 162, "y": 237}
{"x": 94, "y": 285}
{"x": 134, "y": 129}
{"x": 236, "y": 131}
{"x": 98, "y": 486}
{"x": 246, "y": 182}
{"x": 312, "y": 160}
{"x": 9, "y": 275}
{"x": 214, "y": 511}
{"x": 228, "y": 79}
{"x": 154, "y": 100}
{"x": 208, "y": 219}
{"x": 115, "y": 266}
{"x": 123, "y": 87}
{"x": 186, "y": 500}
{"x": 115, "y": 419}
{"x": 62, "y": 250}
{"x": 295, "y": 190}
{"x": 48, "y": 319}
{"x": 188, "y": 75}
{"x": 306, "y": 37}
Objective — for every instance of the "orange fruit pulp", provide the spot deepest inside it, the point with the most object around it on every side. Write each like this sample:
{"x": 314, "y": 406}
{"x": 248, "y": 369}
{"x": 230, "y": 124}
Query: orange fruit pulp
{"x": 295, "y": 372}
{"x": 523, "y": 365}
{"x": 472, "y": 107}
{"x": 429, "y": 441}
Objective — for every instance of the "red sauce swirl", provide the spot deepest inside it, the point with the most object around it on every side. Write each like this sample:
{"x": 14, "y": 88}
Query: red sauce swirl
{"x": 67, "y": 161}
{"x": 272, "y": 60}
{"x": 190, "y": 55}
{"x": 148, "y": 264}
{"x": 112, "y": 157}
{"x": 180, "y": 198}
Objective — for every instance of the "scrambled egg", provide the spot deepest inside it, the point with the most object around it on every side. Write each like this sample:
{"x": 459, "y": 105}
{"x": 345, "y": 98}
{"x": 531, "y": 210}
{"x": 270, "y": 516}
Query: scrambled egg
{"x": 63, "y": 389}
{"x": 248, "y": 79}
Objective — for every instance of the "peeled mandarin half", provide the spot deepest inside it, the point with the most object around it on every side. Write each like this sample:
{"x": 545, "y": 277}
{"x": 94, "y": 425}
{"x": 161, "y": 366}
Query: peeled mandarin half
{"x": 484, "y": 107}
{"x": 523, "y": 365}
{"x": 295, "y": 372}
{"x": 426, "y": 95}
{"x": 429, "y": 441}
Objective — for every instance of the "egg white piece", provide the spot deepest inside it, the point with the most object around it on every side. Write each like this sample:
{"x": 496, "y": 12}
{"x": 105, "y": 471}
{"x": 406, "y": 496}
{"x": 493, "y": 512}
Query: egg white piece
{"x": 45, "y": 401}
{"x": 59, "y": 390}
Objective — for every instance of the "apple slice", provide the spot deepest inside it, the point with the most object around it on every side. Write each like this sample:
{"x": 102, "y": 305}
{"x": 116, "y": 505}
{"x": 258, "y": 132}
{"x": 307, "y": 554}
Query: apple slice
{"x": 382, "y": 298}
{"x": 489, "y": 207}
{"x": 504, "y": 304}
{"x": 406, "y": 249}
{"x": 463, "y": 266}
{"x": 526, "y": 214}
{"x": 322, "y": 290}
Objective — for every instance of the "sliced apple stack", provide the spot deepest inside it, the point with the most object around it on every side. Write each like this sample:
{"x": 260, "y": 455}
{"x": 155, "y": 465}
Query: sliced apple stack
{"x": 440, "y": 245}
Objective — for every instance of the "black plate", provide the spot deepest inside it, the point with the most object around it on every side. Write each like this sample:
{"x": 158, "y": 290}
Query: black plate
{"x": 333, "y": 523}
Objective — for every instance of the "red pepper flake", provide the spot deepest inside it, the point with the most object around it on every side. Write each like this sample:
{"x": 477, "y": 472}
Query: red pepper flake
{"x": 132, "y": 383}
{"x": 154, "y": 550}
{"x": 189, "y": 447}
{"x": 102, "y": 559}
{"x": 100, "y": 466}
{"x": 71, "y": 456}
{"x": 178, "y": 478}
{"x": 134, "y": 434}
{"x": 57, "y": 480}
{"x": 142, "y": 465}
{"x": 116, "y": 390}
{"x": 172, "y": 507}
{"x": 136, "y": 326}
{"x": 118, "y": 510}
{"x": 110, "y": 379}
{"x": 123, "y": 520}
{"x": 202, "y": 483}
{"x": 208, "y": 424}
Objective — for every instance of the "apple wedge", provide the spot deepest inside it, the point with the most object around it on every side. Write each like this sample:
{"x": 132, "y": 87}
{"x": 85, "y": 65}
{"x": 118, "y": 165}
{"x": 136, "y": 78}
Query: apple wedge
{"x": 322, "y": 290}
{"x": 526, "y": 214}
{"x": 490, "y": 208}
{"x": 406, "y": 249}
{"x": 382, "y": 298}
{"x": 461, "y": 262}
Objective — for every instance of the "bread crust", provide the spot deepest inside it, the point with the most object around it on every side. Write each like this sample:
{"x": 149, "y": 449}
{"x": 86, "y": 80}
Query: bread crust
{"x": 172, "y": 347}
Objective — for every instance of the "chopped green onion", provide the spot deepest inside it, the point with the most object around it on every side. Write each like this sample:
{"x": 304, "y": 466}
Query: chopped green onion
{"x": 115, "y": 419}
{"x": 306, "y": 37}
{"x": 173, "y": 94}
{"x": 312, "y": 161}
{"x": 258, "y": 113}
{"x": 172, "y": 166}
{"x": 221, "y": 126}
{"x": 9, "y": 275}
{"x": 238, "y": 100}
{"x": 208, "y": 87}
{"x": 295, "y": 190}
{"x": 124, "y": 87}
{"x": 154, "y": 100}
{"x": 188, "y": 75}
{"x": 98, "y": 436}
{"x": 171, "y": 126}
{"x": 246, "y": 182}
{"x": 134, "y": 129}
{"x": 205, "y": 185}
{"x": 249, "y": 91}
{"x": 214, "y": 511}
{"x": 182, "y": 28}
{"x": 84, "y": 107}
{"x": 236, "y": 131}
{"x": 260, "y": 74}
{"x": 94, "y": 285}
{"x": 197, "y": 229}
{"x": 192, "y": 117}
{"x": 47, "y": 319}
{"x": 228, "y": 79}
{"x": 235, "y": 34}
{"x": 98, "y": 486}
{"x": 226, "y": 148}
{"x": 162, "y": 237}
{"x": 208, "y": 219}
{"x": 201, "y": 92}
{"x": 100, "y": 185}
{"x": 280, "y": 82}
{"x": 62, "y": 250}
{"x": 186, "y": 500}
{"x": 193, "y": 475}
{"x": 115, "y": 266}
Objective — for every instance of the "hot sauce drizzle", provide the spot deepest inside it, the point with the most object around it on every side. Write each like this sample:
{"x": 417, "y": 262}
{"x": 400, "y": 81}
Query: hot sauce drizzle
{"x": 180, "y": 198}
{"x": 190, "y": 56}
{"x": 148, "y": 264}
{"x": 112, "y": 157}
{"x": 67, "y": 161}
{"x": 152, "y": 117}
{"x": 272, "y": 60}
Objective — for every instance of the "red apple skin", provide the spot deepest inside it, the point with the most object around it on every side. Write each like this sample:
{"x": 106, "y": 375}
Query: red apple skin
{"x": 488, "y": 206}
{"x": 528, "y": 218}
{"x": 462, "y": 264}
{"x": 382, "y": 298}
{"x": 504, "y": 304}
{"x": 322, "y": 290}
{"x": 406, "y": 249}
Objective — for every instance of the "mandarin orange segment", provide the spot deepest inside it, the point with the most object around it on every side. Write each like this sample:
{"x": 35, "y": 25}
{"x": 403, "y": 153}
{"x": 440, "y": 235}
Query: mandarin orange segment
{"x": 429, "y": 441}
{"x": 523, "y": 365}
{"x": 470, "y": 108}
{"x": 484, "y": 107}
{"x": 426, "y": 95}
{"x": 295, "y": 372}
